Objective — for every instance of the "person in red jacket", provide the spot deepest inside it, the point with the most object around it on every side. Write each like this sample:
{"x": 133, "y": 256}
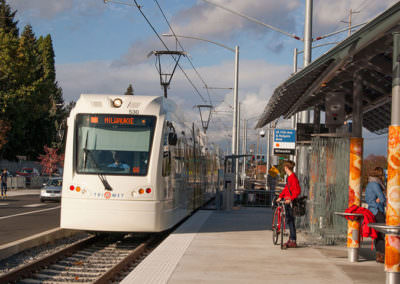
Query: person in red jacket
{"x": 289, "y": 193}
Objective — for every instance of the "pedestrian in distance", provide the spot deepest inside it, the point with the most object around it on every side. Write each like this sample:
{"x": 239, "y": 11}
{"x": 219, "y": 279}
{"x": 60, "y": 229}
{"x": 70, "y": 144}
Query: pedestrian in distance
{"x": 289, "y": 194}
{"x": 4, "y": 175}
{"x": 273, "y": 174}
{"x": 376, "y": 200}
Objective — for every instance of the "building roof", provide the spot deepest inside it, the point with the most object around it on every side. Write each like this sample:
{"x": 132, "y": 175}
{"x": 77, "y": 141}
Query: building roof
{"x": 367, "y": 52}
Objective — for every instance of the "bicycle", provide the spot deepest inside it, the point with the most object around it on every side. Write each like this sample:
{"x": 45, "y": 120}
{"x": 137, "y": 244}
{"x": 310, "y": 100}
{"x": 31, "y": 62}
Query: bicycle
{"x": 278, "y": 221}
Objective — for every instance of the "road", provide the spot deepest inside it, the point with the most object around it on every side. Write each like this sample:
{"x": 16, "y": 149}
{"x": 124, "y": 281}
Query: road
{"x": 23, "y": 215}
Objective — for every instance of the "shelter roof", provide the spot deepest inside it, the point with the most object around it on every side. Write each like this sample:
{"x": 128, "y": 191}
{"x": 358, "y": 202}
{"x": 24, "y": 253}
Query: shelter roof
{"x": 367, "y": 52}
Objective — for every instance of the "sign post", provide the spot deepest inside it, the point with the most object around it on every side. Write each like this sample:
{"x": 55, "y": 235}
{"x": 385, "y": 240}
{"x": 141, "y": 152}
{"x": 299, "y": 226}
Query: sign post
{"x": 284, "y": 141}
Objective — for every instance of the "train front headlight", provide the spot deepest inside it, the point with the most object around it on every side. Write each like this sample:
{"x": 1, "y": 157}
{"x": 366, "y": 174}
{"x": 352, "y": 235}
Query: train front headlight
{"x": 117, "y": 102}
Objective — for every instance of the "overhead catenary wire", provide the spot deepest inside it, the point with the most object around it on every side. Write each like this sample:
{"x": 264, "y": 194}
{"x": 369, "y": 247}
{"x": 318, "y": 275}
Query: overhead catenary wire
{"x": 177, "y": 40}
{"x": 254, "y": 20}
{"x": 166, "y": 47}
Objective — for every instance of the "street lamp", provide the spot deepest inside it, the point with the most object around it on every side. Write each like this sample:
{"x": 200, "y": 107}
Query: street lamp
{"x": 235, "y": 144}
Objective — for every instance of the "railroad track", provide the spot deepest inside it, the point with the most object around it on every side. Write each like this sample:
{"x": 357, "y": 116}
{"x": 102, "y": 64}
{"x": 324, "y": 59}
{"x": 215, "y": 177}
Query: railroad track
{"x": 96, "y": 259}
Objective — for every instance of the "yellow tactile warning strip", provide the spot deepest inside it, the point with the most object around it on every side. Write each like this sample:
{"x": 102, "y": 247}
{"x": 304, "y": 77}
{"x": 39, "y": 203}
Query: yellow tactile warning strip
{"x": 159, "y": 265}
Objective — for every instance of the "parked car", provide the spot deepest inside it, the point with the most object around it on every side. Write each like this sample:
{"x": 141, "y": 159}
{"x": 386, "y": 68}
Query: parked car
{"x": 28, "y": 173}
{"x": 51, "y": 190}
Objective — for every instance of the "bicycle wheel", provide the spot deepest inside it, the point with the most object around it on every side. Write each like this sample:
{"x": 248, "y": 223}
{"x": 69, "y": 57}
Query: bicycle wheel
{"x": 275, "y": 226}
{"x": 282, "y": 227}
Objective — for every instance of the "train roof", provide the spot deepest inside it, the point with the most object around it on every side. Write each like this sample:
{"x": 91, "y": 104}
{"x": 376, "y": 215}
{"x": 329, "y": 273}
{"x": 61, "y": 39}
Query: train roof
{"x": 104, "y": 103}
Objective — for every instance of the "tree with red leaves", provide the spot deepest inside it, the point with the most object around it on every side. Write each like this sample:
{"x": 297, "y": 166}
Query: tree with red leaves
{"x": 50, "y": 160}
{"x": 4, "y": 128}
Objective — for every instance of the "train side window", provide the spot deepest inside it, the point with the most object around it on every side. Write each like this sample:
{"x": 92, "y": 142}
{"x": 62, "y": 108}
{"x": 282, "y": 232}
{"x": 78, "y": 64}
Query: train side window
{"x": 166, "y": 164}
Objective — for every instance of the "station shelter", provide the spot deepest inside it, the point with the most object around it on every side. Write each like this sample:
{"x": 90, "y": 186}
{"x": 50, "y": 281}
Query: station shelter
{"x": 356, "y": 84}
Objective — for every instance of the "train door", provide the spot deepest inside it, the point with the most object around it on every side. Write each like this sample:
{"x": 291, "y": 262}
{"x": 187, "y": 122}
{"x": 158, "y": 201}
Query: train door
{"x": 166, "y": 164}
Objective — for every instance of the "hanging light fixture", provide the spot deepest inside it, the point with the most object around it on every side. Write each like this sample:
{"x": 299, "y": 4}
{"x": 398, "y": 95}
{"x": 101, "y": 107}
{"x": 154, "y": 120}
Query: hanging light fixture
{"x": 166, "y": 68}
{"x": 205, "y": 115}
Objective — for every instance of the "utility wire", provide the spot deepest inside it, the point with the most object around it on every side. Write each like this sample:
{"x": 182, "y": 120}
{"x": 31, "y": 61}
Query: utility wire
{"x": 166, "y": 47}
{"x": 177, "y": 40}
{"x": 254, "y": 20}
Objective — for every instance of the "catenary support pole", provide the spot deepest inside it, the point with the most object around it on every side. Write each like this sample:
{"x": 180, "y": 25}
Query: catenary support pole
{"x": 392, "y": 243}
{"x": 267, "y": 155}
{"x": 237, "y": 176}
{"x": 305, "y": 115}
{"x": 295, "y": 61}
{"x": 294, "y": 117}
{"x": 244, "y": 149}
{"x": 235, "y": 104}
{"x": 268, "y": 147}
{"x": 355, "y": 174}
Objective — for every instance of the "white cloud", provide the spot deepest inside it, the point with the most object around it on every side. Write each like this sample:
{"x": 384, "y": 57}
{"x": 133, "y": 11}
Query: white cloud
{"x": 48, "y": 9}
{"x": 211, "y": 21}
{"x": 328, "y": 14}
{"x": 42, "y": 8}
{"x": 257, "y": 82}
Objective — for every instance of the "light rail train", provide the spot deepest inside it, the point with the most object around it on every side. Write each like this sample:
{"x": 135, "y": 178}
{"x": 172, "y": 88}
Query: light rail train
{"x": 131, "y": 165}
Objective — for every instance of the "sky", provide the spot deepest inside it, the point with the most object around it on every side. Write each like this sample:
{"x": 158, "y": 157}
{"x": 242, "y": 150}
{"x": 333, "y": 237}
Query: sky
{"x": 103, "y": 47}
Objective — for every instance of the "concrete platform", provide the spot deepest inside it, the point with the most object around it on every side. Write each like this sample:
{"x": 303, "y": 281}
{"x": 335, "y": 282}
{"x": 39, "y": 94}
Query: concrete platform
{"x": 236, "y": 247}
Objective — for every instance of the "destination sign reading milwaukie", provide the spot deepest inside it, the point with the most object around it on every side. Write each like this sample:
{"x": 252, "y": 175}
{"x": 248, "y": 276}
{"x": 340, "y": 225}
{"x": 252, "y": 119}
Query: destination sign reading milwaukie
{"x": 118, "y": 120}
{"x": 102, "y": 120}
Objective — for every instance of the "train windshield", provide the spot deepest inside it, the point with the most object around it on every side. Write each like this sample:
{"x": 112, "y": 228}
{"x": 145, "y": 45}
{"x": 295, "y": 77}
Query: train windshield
{"x": 114, "y": 144}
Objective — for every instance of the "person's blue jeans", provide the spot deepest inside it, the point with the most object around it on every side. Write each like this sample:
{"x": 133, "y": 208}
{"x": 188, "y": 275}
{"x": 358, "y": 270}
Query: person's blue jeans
{"x": 290, "y": 221}
{"x": 3, "y": 188}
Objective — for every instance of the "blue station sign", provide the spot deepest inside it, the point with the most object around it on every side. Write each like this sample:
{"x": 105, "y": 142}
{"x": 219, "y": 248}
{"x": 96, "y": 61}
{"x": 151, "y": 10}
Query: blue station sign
{"x": 284, "y": 141}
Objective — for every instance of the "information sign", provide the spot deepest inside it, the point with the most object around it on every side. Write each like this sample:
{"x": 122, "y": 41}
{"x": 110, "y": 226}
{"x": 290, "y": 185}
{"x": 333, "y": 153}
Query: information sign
{"x": 284, "y": 141}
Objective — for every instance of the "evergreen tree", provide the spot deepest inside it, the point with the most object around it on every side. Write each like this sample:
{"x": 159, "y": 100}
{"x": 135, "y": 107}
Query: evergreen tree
{"x": 57, "y": 112}
{"x": 31, "y": 103}
{"x": 129, "y": 90}
{"x": 7, "y": 23}
{"x": 28, "y": 113}
{"x": 9, "y": 77}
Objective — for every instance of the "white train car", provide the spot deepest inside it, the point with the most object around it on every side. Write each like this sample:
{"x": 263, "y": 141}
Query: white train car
{"x": 131, "y": 166}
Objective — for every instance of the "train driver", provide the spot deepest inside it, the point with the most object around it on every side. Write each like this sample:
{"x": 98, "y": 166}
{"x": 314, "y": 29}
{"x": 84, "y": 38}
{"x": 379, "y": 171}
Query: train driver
{"x": 117, "y": 163}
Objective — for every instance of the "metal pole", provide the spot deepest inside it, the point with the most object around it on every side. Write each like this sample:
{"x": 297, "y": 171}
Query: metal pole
{"x": 235, "y": 101}
{"x": 295, "y": 61}
{"x": 268, "y": 147}
{"x": 355, "y": 168}
{"x": 244, "y": 148}
{"x": 235, "y": 107}
{"x": 294, "y": 117}
{"x": 267, "y": 158}
{"x": 350, "y": 14}
{"x": 392, "y": 247}
{"x": 293, "y": 124}
{"x": 237, "y": 148}
{"x": 305, "y": 115}
{"x": 308, "y": 32}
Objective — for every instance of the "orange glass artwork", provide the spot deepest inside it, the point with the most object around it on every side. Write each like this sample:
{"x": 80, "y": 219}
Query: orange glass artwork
{"x": 392, "y": 250}
{"x": 356, "y": 152}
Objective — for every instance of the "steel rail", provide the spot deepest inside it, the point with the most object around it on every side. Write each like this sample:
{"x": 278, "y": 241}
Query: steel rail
{"x": 30, "y": 268}
{"x": 134, "y": 255}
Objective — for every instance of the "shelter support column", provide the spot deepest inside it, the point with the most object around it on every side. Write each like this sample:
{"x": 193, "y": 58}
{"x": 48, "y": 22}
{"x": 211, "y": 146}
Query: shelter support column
{"x": 356, "y": 154}
{"x": 392, "y": 243}
{"x": 317, "y": 119}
